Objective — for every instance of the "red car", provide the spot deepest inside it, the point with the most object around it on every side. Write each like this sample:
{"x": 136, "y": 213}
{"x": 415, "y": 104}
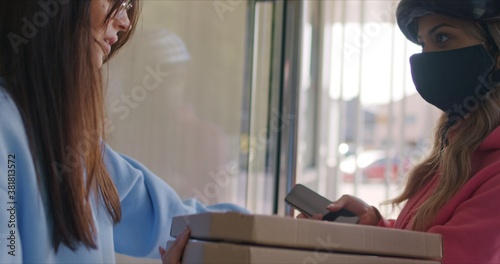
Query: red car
{"x": 373, "y": 166}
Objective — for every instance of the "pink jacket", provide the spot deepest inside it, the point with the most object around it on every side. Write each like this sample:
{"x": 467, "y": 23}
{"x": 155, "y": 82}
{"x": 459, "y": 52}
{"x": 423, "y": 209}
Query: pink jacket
{"x": 470, "y": 221}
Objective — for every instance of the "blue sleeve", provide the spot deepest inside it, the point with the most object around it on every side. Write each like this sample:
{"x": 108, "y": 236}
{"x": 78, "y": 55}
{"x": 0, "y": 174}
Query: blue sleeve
{"x": 148, "y": 205}
{"x": 24, "y": 226}
{"x": 10, "y": 244}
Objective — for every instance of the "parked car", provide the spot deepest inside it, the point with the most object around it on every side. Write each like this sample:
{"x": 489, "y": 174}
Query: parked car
{"x": 373, "y": 165}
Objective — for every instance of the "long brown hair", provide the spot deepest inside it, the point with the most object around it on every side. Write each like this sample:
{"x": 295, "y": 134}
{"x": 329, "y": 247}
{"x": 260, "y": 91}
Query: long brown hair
{"x": 46, "y": 59}
{"x": 453, "y": 163}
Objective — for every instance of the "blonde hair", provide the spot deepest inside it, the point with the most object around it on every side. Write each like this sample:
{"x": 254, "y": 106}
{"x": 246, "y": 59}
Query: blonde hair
{"x": 452, "y": 164}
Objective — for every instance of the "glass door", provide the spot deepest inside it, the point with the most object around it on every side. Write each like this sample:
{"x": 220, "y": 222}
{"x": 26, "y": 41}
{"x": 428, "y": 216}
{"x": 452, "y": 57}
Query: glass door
{"x": 361, "y": 123}
{"x": 187, "y": 98}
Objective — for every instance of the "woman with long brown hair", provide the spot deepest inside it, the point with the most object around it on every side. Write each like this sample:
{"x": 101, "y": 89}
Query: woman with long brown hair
{"x": 455, "y": 190}
{"x": 66, "y": 196}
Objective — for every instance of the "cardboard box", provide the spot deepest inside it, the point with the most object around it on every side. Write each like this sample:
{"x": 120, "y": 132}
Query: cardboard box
{"x": 219, "y": 252}
{"x": 292, "y": 233}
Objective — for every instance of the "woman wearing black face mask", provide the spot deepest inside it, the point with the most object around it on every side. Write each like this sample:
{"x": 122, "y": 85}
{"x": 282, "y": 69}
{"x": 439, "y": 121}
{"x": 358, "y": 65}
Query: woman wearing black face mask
{"x": 455, "y": 190}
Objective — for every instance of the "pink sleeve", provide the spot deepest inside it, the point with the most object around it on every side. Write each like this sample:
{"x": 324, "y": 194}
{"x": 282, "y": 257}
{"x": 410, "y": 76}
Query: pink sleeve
{"x": 472, "y": 233}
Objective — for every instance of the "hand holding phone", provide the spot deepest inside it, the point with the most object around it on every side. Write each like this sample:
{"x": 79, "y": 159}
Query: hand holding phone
{"x": 310, "y": 203}
{"x": 341, "y": 216}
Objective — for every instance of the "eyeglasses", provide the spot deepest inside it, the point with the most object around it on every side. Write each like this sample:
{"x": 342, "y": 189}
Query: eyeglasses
{"x": 124, "y": 7}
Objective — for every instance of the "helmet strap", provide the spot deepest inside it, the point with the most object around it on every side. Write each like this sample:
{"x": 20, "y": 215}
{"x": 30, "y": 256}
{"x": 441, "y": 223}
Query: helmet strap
{"x": 489, "y": 38}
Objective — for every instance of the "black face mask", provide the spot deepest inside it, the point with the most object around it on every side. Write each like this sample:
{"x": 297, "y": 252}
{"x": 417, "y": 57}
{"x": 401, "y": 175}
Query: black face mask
{"x": 455, "y": 81}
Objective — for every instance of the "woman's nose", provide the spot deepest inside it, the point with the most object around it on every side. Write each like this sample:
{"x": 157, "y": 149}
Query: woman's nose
{"x": 122, "y": 22}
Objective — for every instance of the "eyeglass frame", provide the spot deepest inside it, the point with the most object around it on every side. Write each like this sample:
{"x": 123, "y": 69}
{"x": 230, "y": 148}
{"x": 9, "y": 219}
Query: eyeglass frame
{"x": 124, "y": 7}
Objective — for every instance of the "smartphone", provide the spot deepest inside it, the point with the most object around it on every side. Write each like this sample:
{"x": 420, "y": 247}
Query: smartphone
{"x": 310, "y": 203}
{"x": 307, "y": 201}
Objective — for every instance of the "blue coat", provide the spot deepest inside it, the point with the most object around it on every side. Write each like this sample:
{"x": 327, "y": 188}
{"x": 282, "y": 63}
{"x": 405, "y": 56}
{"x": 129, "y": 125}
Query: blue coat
{"x": 148, "y": 205}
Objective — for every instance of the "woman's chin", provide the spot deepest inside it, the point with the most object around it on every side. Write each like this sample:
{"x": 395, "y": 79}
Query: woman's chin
{"x": 99, "y": 61}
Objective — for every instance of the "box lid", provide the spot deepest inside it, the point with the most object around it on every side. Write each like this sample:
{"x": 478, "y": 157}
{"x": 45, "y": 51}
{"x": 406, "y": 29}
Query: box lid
{"x": 288, "y": 232}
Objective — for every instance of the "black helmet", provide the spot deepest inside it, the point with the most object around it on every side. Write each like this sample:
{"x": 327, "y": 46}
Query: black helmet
{"x": 479, "y": 10}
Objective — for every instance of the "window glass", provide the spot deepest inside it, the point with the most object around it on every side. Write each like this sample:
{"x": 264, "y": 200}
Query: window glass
{"x": 175, "y": 95}
{"x": 362, "y": 123}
